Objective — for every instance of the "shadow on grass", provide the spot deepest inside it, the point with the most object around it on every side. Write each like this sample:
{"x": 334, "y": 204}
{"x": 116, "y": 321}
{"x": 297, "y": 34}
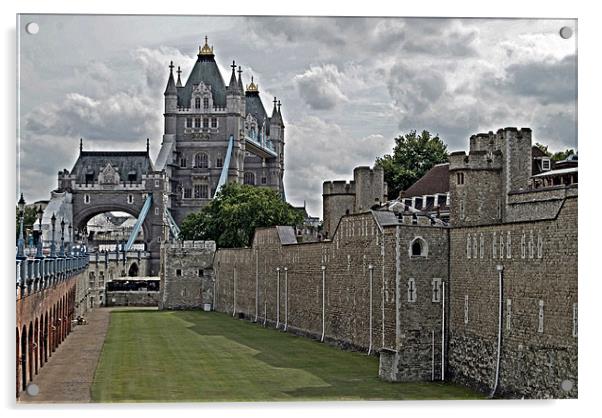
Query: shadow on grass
{"x": 351, "y": 375}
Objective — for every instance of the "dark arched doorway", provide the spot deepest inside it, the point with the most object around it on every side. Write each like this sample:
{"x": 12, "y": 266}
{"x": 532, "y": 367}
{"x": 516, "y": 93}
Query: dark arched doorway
{"x": 133, "y": 271}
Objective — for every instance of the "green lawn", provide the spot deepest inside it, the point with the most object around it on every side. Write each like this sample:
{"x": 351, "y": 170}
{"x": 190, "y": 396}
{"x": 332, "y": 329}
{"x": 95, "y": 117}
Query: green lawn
{"x": 158, "y": 356}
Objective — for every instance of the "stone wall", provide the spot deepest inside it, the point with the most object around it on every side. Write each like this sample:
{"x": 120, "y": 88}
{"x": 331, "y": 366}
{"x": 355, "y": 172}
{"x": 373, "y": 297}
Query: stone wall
{"x": 132, "y": 298}
{"x": 539, "y": 340}
{"x": 323, "y": 289}
{"x": 186, "y": 274}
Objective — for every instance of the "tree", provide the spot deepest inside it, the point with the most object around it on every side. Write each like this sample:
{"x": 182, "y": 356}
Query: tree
{"x": 413, "y": 155}
{"x": 557, "y": 156}
{"x": 232, "y": 216}
{"x": 30, "y": 217}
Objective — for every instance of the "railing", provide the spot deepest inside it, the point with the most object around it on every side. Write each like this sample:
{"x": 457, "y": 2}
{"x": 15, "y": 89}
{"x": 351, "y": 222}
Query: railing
{"x": 36, "y": 274}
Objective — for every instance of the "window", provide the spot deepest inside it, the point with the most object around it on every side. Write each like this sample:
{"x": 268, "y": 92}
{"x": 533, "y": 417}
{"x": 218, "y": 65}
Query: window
{"x": 531, "y": 244}
{"x": 460, "y": 178}
{"x": 197, "y": 102}
{"x": 200, "y": 272}
{"x": 201, "y": 191}
{"x": 508, "y": 245}
{"x": 539, "y": 245}
{"x": 264, "y": 180}
{"x": 481, "y": 246}
{"x": 501, "y": 245}
{"x": 182, "y": 162}
{"x": 214, "y": 122}
{"x": 86, "y": 198}
{"x": 197, "y": 122}
{"x": 466, "y": 309}
{"x": 201, "y": 160}
{"x": 418, "y": 248}
{"x": 462, "y": 208}
{"x": 157, "y": 184}
{"x": 436, "y": 290}
{"x": 474, "y": 246}
{"x": 187, "y": 193}
{"x": 545, "y": 164}
{"x": 189, "y": 122}
{"x": 219, "y": 162}
{"x": 130, "y": 199}
{"x": 205, "y": 123}
{"x": 494, "y": 245}
{"x": 132, "y": 177}
{"x": 523, "y": 246}
{"x": 468, "y": 246}
{"x": 178, "y": 272}
{"x": 411, "y": 290}
{"x": 157, "y": 211}
{"x": 249, "y": 178}
{"x": 575, "y": 320}
{"x": 205, "y": 102}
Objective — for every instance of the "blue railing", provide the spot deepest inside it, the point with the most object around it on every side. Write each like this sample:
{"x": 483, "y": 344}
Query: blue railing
{"x": 36, "y": 274}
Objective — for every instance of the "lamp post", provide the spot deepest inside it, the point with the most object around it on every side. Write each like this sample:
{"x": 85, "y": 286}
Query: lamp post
{"x": 52, "y": 244}
{"x": 70, "y": 238}
{"x": 62, "y": 253}
{"x": 39, "y": 252}
{"x": 21, "y": 241}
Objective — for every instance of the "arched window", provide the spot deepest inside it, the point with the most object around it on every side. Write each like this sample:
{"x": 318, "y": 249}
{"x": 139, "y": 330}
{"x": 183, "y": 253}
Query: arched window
{"x": 249, "y": 178}
{"x": 197, "y": 103}
{"x": 201, "y": 160}
{"x": 418, "y": 248}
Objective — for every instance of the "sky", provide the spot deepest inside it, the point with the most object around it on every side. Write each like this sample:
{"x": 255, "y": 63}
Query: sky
{"x": 348, "y": 86}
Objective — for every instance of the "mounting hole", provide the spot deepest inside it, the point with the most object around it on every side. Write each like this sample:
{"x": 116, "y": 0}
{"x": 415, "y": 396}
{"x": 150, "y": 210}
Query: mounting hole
{"x": 32, "y": 28}
{"x": 566, "y": 385}
{"x": 32, "y": 389}
{"x": 566, "y": 32}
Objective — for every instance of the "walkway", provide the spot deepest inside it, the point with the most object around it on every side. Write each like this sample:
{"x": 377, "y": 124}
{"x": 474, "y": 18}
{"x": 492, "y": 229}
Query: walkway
{"x": 68, "y": 375}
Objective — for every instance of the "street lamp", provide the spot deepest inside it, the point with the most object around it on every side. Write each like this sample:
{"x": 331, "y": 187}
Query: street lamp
{"x": 39, "y": 253}
{"x": 21, "y": 241}
{"x": 62, "y": 253}
{"x": 52, "y": 244}
{"x": 70, "y": 238}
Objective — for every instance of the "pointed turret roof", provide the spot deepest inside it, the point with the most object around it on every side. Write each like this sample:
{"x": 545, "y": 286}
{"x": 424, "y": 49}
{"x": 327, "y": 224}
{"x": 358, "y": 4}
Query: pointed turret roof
{"x": 276, "y": 115}
{"x": 233, "y": 85}
{"x": 254, "y": 105}
{"x": 205, "y": 71}
{"x": 179, "y": 82}
{"x": 240, "y": 85}
{"x": 171, "y": 90}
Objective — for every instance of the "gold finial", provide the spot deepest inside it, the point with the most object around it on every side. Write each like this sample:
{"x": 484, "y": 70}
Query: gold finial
{"x": 206, "y": 49}
{"x": 252, "y": 86}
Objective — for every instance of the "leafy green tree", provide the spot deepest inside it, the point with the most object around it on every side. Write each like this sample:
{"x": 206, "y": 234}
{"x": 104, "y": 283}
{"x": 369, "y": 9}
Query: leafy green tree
{"x": 30, "y": 217}
{"x": 413, "y": 155}
{"x": 232, "y": 216}
{"x": 556, "y": 156}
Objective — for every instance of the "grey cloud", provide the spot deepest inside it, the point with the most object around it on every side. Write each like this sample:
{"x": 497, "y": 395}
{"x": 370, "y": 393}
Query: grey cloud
{"x": 551, "y": 82}
{"x": 415, "y": 89}
{"x": 320, "y": 87}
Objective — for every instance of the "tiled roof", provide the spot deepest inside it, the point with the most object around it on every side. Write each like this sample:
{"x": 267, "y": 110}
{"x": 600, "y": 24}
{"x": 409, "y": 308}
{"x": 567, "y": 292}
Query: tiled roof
{"x": 205, "y": 70}
{"x": 436, "y": 180}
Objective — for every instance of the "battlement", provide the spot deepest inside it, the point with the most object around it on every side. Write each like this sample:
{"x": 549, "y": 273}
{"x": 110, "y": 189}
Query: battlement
{"x": 476, "y": 160}
{"x": 496, "y": 141}
{"x": 338, "y": 187}
{"x": 189, "y": 245}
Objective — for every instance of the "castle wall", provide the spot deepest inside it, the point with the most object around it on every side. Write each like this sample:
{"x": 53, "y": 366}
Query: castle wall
{"x": 539, "y": 343}
{"x": 286, "y": 286}
{"x": 186, "y": 274}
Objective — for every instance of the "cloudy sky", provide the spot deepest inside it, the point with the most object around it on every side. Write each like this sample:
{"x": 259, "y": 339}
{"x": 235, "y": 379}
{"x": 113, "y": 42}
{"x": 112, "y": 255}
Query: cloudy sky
{"x": 348, "y": 86}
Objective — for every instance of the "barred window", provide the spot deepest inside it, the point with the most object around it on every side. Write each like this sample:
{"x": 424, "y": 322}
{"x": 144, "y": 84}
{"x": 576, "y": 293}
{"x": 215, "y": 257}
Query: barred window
{"x": 501, "y": 245}
{"x": 214, "y": 122}
{"x": 197, "y": 122}
{"x": 531, "y": 244}
{"x": 197, "y": 102}
{"x": 474, "y": 246}
{"x": 201, "y": 160}
{"x": 219, "y": 162}
{"x": 206, "y": 102}
{"x": 494, "y": 245}
{"x": 411, "y": 290}
{"x": 183, "y": 162}
{"x": 508, "y": 245}
{"x": 189, "y": 122}
{"x": 187, "y": 193}
{"x": 468, "y": 246}
{"x": 481, "y": 246}
{"x": 523, "y": 245}
{"x": 201, "y": 191}
{"x": 205, "y": 122}
{"x": 249, "y": 178}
